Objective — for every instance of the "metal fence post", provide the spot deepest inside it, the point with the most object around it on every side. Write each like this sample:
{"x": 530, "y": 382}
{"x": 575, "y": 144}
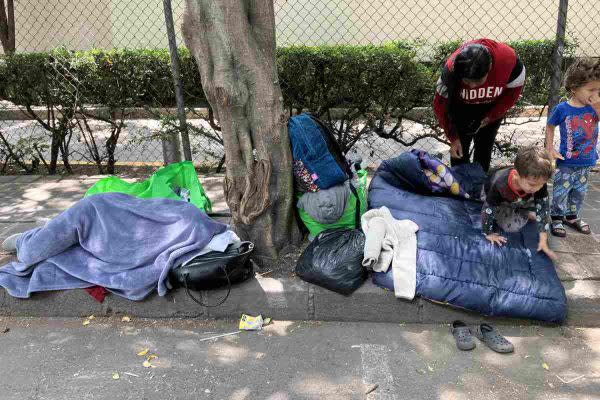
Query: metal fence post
{"x": 557, "y": 55}
{"x": 185, "y": 138}
{"x": 170, "y": 149}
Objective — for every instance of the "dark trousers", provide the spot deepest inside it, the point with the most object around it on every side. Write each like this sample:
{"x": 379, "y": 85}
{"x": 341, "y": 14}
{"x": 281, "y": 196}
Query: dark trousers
{"x": 483, "y": 144}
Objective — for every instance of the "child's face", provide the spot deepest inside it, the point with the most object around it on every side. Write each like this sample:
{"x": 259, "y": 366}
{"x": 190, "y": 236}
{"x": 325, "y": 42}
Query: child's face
{"x": 530, "y": 184}
{"x": 587, "y": 94}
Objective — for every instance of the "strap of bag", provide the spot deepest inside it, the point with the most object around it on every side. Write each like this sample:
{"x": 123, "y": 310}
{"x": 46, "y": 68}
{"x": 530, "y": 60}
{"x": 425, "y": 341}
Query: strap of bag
{"x": 187, "y": 290}
{"x": 357, "y": 210}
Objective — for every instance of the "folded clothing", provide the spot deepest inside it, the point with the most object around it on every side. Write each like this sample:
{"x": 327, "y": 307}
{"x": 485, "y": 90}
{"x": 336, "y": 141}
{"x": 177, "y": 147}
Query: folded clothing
{"x": 220, "y": 242}
{"x": 391, "y": 242}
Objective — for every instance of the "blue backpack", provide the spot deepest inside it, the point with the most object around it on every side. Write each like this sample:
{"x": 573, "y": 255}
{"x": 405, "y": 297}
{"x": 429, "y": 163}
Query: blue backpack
{"x": 318, "y": 159}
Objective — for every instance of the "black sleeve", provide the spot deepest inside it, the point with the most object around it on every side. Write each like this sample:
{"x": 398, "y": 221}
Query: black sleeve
{"x": 488, "y": 212}
{"x": 542, "y": 209}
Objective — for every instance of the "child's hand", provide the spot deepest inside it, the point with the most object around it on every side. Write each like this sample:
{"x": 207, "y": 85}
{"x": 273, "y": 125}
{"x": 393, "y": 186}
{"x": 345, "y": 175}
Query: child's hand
{"x": 543, "y": 246}
{"x": 555, "y": 154}
{"x": 594, "y": 101}
{"x": 496, "y": 239}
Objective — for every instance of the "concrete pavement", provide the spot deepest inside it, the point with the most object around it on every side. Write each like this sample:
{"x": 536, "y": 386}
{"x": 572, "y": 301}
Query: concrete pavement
{"x": 56, "y": 359}
{"x": 283, "y": 296}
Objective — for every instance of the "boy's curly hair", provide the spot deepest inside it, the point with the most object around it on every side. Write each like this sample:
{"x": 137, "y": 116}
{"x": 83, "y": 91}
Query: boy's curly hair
{"x": 534, "y": 162}
{"x": 582, "y": 71}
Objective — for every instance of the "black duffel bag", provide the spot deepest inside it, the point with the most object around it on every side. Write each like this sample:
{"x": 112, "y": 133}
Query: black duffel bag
{"x": 214, "y": 270}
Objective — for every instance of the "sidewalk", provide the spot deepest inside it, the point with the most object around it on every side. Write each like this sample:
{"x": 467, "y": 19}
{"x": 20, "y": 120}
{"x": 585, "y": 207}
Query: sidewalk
{"x": 25, "y": 198}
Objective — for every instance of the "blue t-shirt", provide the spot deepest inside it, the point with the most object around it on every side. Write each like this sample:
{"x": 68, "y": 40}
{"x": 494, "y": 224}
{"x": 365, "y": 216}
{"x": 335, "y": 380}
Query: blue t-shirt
{"x": 578, "y": 134}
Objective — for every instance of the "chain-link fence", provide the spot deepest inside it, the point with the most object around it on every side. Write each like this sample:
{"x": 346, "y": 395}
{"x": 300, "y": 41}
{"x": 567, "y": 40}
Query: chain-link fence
{"x": 90, "y": 83}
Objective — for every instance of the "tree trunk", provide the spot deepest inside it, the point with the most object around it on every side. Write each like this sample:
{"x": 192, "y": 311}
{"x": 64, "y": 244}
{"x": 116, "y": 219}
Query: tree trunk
{"x": 233, "y": 42}
{"x": 7, "y": 26}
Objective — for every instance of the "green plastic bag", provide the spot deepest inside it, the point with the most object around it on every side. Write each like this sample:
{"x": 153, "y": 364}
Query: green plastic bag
{"x": 159, "y": 185}
{"x": 347, "y": 218}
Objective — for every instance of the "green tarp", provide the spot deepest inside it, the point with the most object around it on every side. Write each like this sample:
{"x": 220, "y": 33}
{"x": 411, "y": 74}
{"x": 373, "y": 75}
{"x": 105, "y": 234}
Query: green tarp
{"x": 159, "y": 185}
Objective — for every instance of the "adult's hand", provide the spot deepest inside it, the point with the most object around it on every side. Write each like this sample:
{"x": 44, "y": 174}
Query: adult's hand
{"x": 456, "y": 149}
{"x": 484, "y": 122}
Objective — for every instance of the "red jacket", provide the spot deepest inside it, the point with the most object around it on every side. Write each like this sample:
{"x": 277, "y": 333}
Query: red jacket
{"x": 502, "y": 87}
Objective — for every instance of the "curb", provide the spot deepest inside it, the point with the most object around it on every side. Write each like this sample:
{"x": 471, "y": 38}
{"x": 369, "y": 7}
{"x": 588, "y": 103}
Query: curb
{"x": 289, "y": 299}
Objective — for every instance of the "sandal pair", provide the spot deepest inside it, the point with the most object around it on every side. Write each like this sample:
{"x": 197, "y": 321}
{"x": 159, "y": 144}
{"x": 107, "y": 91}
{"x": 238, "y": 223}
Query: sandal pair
{"x": 558, "y": 229}
{"x": 485, "y": 333}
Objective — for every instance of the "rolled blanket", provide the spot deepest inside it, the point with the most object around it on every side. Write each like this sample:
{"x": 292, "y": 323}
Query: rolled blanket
{"x": 390, "y": 241}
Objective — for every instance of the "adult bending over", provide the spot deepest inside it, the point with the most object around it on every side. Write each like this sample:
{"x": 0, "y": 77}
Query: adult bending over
{"x": 479, "y": 83}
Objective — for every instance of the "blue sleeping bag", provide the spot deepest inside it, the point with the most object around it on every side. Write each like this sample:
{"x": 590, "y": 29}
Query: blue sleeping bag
{"x": 455, "y": 263}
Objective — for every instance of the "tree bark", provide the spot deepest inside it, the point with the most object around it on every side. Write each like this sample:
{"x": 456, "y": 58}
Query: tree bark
{"x": 7, "y": 26}
{"x": 233, "y": 42}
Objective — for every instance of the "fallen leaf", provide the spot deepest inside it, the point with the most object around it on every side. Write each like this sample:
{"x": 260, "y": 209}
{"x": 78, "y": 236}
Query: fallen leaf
{"x": 430, "y": 368}
{"x": 527, "y": 356}
{"x": 91, "y": 317}
{"x": 116, "y": 376}
{"x": 143, "y": 352}
{"x": 545, "y": 366}
{"x": 147, "y": 364}
{"x": 126, "y": 319}
{"x": 85, "y": 322}
{"x": 152, "y": 357}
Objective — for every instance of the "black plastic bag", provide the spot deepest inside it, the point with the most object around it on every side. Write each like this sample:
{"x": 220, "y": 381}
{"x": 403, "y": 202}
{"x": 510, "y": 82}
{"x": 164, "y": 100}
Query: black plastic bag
{"x": 334, "y": 258}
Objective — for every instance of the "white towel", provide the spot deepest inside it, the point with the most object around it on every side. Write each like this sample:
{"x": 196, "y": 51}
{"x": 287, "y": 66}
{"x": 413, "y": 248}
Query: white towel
{"x": 391, "y": 241}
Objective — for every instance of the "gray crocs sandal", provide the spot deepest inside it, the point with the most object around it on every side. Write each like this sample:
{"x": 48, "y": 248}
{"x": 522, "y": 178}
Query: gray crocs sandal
{"x": 494, "y": 340}
{"x": 578, "y": 225}
{"x": 463, "y": 336}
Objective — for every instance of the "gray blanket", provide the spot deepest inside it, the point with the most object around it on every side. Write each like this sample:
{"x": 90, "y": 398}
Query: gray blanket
{"x": 125, "y": 244}
{"x": 327, "y": 205}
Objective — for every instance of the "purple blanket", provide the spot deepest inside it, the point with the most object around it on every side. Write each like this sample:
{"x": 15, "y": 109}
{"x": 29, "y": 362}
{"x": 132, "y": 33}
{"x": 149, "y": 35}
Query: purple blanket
{"x": 125, "y": 244}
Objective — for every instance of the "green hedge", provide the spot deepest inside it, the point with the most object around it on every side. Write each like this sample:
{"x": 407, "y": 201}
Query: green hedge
{"x": 314, "y": 78}
{"x": 362, "y": 77}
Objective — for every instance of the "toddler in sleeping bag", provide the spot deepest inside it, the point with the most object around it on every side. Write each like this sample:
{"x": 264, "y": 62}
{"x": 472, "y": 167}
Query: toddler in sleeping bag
{"x": 518, "y": 194}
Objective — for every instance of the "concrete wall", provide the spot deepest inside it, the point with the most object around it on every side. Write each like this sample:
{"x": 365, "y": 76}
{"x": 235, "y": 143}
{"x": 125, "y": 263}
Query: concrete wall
{"x": 83, "y": 24}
